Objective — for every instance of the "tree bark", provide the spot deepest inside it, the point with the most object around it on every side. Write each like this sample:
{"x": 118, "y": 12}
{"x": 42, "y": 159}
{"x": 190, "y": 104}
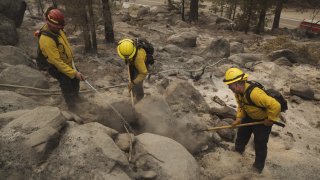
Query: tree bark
{"x": 108, "y": 25}
{"x": 92, "y": 27}
{"x": 277, "y": 14}
{"x": 249, "y": 14}
{"x": 193, "y": 15}
{"x": 85, "y": 28}
{"x": 262, "y": 17}
{"x": 182, "y": 10}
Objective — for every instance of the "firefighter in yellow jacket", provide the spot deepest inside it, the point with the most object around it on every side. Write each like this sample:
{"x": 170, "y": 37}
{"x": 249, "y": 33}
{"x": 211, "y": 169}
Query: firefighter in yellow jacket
{"x": 136, "y": 58}
{"x": 237, "y": 82}
{"x": 60, "y": 56}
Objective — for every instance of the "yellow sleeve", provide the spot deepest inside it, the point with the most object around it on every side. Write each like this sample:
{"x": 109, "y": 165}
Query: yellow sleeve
{"x": 48, "y": 46}
{"x": 261, "y": 99}
{"x": 240, "y": 111}
{"x": 140, "y": 66}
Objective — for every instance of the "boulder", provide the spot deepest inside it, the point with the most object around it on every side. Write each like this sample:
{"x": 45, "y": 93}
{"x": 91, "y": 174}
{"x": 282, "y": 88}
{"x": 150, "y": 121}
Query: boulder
{"x": 8, "y": 32}
{"x": 302, "y": 90}
{"x": 24, "y": 76}
{"x": 218, "y": 48}
{"x": 13, "y": 10}
{"x": 11, "y": 101}
{"x": 14, "y": 56}
{"x": 183, "y": 97}
{"x": 243, "y": 58}
{"x": 86, "y": 152}
{"x": 236, "y": 47}
{"x": 155, "y": 116}
{"x": 287, "y": 53}
{"x": 169, "y": 159}
{"x": 283, "y": 61}
{"x": 5, "y": 118}
{"x": 174, "y": 50}
{"x": 184, "y": 39}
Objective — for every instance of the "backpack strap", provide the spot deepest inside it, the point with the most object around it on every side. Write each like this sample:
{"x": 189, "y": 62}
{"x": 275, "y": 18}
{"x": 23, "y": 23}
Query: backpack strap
{"x": 51, "y": 35}
{"x": 253, "y": 84}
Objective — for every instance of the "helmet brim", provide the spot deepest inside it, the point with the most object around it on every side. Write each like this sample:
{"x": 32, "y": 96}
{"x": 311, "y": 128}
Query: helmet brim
{"x": 244, "y": 77}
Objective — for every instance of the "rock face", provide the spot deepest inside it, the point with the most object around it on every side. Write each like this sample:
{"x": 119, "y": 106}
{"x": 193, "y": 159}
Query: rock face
{"x": 155, "y": 116}
{"x": 14, "y": 56}
{"x": 11, "y": 101}
{"x": 218, "y": 48}
{"x": 86, "y": 152}
{"x": 184, "y": 39}
{"x": 11, "y": 16}
{"x": 170, "y": 159}
{"x": 24, "y": 76}
{"x": 8, "y": 32}
{"x": 29, "y": 139}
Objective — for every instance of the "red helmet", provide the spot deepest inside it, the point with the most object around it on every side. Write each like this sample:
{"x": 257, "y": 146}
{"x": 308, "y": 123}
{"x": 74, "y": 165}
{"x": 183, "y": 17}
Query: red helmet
{"x": 55, "y": 19}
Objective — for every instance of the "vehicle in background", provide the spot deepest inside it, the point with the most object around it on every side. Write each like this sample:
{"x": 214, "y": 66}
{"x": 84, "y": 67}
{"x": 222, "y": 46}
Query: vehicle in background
{"x": 310, "y": 26}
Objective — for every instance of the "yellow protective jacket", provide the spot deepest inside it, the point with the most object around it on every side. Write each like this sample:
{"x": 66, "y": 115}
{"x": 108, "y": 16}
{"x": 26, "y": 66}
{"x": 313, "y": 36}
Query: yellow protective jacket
{"x": 271, "y": 106}
{"x": 62, "y": 56}
{"x": 140, "y": 65}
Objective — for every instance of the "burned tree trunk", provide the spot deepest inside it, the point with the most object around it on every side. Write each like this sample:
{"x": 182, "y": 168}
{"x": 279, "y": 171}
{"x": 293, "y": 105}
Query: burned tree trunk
{"x": 108, "y": 25}
{"x": 194, "y": 7}
{"x": 277, "y": 14}
{"x": 92, "y": 27}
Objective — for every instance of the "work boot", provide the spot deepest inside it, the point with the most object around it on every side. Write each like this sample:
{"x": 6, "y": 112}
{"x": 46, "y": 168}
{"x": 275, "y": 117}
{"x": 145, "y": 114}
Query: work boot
{"x": 239, "y": 150}
{"x": 257, "y": 168}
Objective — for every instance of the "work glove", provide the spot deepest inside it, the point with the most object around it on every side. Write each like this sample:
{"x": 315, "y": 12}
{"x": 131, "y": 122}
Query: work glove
{"x": 235, "y": 123}
{"x": 267, "y": 122}
{"x": 130, "y": 86}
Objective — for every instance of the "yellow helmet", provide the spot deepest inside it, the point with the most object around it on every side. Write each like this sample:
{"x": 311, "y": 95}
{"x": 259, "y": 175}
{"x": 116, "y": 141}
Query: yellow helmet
{"x": 126, "y": 49}
{"x": 234, "y": 75}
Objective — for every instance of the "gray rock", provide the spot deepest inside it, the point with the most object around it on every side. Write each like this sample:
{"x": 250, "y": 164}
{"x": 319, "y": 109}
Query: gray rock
{"x": 174, "y": 50}
{"x": 287, "y": 53}
{"x": 224, "y": 112}
{"x": 236, "y": 47}
{"x": 169, "y": 159}
{"x": 218, "y": 47}
{"x": 156, "y": 116}
{"x": 11, "y": 101}
{"x": 227, "y": 134}
{"x": 302, "y": 90}
{"x": 283, "y": 61}
{"x": 14, "y": 10}
{"x": 24, "y": 76}
{"x": 5, "y": 118}
{"x": 8, "y": 32}
{"x": 85, "y": 150}
{"x": 184, "y": 39}
{"x": 244, "y": 58}
{"x": 123, "y": 141}
{"x": 14, "y": 56}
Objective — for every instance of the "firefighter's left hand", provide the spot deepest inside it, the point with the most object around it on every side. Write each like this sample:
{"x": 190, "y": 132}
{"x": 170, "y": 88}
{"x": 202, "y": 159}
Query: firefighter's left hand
{"x": 267, "y": 122}
{"x": 130, "y": 86}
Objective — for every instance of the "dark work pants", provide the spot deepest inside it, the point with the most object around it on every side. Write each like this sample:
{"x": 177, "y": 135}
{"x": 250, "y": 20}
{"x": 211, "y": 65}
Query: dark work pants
{"x": 137, "y": 89}
{"x": 69, "y": 87}
{"x": 261, "y": 136}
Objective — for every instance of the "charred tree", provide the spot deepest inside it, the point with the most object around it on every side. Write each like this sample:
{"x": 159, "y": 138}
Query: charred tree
{"x": 92, "y": 28}
{"x": 277, "y": 14}
{"x": 194, "y": 7}
{"x": 108, "y": 25}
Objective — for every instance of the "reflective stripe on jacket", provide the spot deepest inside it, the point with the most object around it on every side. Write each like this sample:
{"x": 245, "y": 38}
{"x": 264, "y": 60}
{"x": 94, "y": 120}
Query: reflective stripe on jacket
{"x": 62, "y": 56}
{"x": 271, "y": 106}
{"x": 140, "y": 65}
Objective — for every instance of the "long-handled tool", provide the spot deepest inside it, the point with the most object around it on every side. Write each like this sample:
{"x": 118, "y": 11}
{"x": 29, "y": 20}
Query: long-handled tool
{"x": 129, "y": 80}
{"x": 126, "y": 125}
{"x": 239, "y": 125}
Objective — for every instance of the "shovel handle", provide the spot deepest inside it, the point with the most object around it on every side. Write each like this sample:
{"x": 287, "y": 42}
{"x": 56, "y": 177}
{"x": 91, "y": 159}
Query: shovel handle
{"x": 129, "y": 78}
{"x": 242, "y": 125}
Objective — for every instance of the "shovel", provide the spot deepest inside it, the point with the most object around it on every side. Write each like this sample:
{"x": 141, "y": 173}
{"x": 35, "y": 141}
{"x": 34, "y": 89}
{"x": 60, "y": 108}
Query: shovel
{"x": 239, "y": 125}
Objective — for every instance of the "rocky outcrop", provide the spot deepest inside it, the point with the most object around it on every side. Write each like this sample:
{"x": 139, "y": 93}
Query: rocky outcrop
{"x": 24, "y": 76}
{"x": 11, "y": 101}
{"x": 169, "y": 159}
